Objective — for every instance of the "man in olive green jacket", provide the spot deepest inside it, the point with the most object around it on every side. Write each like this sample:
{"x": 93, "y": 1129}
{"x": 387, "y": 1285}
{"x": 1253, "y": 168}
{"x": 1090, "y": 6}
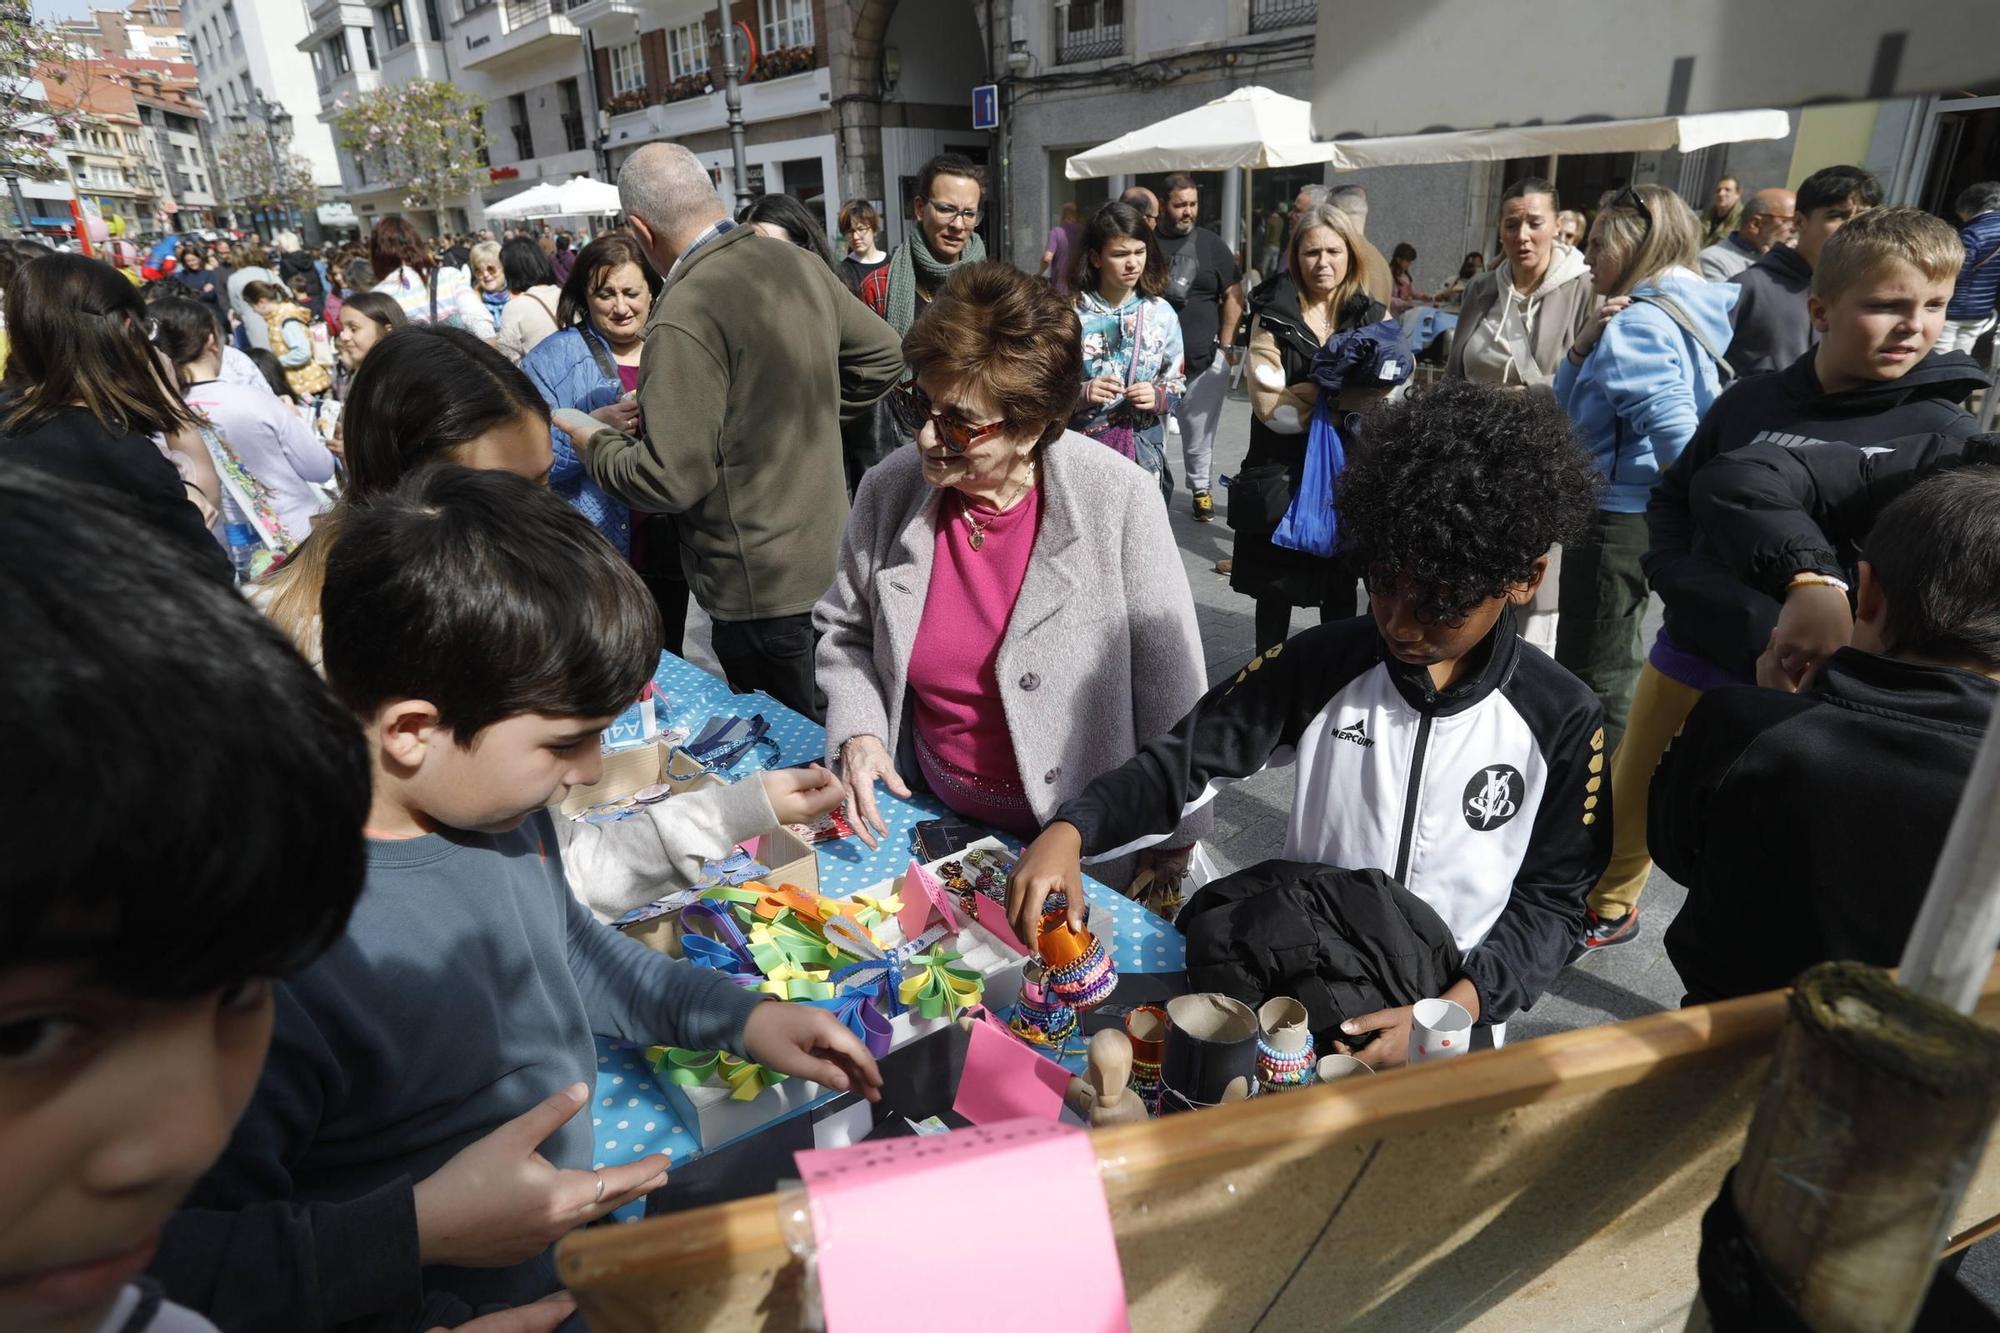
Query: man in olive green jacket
{"x": 755, "y": 352}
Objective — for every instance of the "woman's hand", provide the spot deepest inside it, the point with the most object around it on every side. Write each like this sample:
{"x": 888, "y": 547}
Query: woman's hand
{"x": 801, "y": 795}
{"x": 1052, "y": 861}
{"x": 1815, "y": 623}
{"x": 499, "y": 1202}
{"x": 1143, "y": 397}
{"x": 863, "y": 759}
{"x": 1594, "y": 330}
{"x": 622, "y": 415}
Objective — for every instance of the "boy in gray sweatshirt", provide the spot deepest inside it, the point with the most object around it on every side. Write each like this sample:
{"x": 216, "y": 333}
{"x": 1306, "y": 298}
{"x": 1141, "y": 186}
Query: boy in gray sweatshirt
{"x": 420, "y": 1101}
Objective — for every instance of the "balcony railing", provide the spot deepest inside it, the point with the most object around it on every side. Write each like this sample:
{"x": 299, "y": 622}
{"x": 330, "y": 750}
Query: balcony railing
{"x": 1089, "y": 30}
{"x": 1270, "y": 15}
{"x": 520, "y": 13}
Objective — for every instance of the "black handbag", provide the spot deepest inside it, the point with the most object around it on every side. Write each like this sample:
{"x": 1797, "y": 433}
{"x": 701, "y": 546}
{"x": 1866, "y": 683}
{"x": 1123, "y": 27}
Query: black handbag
{"x": 1259, "y": 497}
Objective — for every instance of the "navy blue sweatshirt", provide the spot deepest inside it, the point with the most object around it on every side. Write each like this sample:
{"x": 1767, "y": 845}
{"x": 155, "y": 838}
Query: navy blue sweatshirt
{"x": 464, "y": 992}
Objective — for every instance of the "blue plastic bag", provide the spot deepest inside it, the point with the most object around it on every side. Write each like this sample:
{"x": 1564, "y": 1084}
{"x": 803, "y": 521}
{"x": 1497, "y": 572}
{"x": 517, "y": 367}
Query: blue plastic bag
{"x": 1310, "y": 524}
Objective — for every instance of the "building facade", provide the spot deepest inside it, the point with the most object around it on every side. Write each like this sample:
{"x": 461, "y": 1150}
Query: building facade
{"x": 244, "y": 49}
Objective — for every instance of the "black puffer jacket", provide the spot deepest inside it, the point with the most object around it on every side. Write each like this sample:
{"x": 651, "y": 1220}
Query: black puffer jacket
{"x": 1341, "y": 942}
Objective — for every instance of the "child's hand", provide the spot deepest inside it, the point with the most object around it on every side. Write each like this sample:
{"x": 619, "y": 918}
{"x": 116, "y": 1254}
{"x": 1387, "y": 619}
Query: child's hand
{"x": 544, "y": 1316}
{"x": 1389, "y": 1047}
{"x": 1143, "y": 396}
{"x": 1052, "y": 861}
{"x": 500, "y": 1202}
{"x": 811, "y": 1044}
{"x": 801, "y": 795}
{"x": 1815, "y": 623}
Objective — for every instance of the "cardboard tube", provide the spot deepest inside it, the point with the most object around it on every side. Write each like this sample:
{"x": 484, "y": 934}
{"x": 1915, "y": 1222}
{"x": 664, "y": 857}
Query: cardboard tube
{"x": 1211, "y": 1043}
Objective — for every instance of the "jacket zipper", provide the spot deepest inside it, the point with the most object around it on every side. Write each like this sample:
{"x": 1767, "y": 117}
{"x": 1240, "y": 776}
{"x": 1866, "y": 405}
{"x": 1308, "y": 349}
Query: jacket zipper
{"x": 1410, "y": 800}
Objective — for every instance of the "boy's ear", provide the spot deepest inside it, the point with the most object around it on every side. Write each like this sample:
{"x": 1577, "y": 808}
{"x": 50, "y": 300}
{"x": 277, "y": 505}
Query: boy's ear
{"x": 1816, "y": 312}
{"x": 1871, "y": 604}
{"x": 405, "y": 730}
{"x": 1520, "y": 594}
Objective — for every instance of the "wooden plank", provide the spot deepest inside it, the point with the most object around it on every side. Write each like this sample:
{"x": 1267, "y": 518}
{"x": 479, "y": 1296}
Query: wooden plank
{"x": 1555, "y": 1184}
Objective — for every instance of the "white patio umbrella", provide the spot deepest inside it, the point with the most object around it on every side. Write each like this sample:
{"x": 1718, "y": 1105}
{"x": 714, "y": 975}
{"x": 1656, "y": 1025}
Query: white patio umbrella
{"x": 1251, "y": 127}
{"x": 535, "y": 202}
{"x": 581, "y": 196}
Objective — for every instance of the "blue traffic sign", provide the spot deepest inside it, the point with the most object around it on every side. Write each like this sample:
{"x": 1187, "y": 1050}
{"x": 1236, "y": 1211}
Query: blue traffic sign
{"x": 986, "y": 107}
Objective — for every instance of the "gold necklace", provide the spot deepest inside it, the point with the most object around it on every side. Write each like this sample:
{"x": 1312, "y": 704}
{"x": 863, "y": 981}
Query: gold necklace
{"x": 978, "y": 537}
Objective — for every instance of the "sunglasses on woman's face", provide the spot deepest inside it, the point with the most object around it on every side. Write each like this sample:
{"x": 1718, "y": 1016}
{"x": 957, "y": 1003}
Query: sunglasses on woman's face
{"x": 913, "y": 407}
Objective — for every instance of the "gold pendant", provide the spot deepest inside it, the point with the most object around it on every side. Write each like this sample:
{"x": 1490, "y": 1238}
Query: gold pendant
{"x": 978, "y": 539}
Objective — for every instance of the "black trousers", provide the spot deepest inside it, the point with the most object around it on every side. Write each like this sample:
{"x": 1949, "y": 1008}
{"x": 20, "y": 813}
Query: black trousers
{"x": 775, "y": 656}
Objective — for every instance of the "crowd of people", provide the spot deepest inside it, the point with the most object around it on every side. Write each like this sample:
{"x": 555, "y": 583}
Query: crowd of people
{"x": 324, "y": 575}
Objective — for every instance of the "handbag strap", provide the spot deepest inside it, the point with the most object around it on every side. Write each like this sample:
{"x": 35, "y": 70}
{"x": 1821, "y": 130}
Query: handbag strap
{"x": 601, "y": 354}
{"x": 434, "y": 296}
{"x": 1138, "y": 328}
{"x": 1673, "y": 310}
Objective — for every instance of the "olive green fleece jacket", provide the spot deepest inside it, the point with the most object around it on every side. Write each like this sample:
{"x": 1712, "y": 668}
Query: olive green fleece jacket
{"x": 754, "y": 354}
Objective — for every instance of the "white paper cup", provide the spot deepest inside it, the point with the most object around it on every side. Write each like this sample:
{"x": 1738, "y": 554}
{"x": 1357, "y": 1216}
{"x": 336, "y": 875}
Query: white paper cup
{"x": 1439, "y": 1030}
{"x": 1331, "y": 1067}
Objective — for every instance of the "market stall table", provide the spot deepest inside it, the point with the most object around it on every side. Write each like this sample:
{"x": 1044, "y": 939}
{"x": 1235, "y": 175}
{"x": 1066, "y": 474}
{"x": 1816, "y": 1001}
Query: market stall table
{"x": 633, "y": 1113}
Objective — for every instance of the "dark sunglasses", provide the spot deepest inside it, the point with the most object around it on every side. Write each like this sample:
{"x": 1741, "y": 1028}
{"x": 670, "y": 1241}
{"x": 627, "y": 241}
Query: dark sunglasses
{"x": 1632, "y": 199}
{"x": 912, "y": 407}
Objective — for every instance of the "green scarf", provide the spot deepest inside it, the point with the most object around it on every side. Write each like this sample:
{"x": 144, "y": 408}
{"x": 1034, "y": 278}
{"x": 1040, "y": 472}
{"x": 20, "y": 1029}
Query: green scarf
{"x": 912, "y": 257}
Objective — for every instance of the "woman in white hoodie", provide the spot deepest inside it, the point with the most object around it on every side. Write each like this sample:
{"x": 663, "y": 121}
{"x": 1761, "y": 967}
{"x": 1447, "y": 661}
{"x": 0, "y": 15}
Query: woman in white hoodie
{"x": 1520, "y": 316}
{"x": 1515, "y": 323}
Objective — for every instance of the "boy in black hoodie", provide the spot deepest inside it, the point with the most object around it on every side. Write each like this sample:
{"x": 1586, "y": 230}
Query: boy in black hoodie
{"x": 1879, "y": 296}
{"x": 1773, "y": 326}
{"x": 1755, "y": 806}
{"x": 1431, "y": 742}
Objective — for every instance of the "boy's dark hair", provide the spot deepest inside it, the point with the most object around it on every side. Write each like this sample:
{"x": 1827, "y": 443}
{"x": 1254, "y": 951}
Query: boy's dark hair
{"x": 1836, "y": 185}
{"x": 192, "y": 796}
{"x": 949, "y": 164}
{"x": 487, "y": 596}
{"x": 1461, "y": 487}
{"x": 1936, "y": 552}
{"x": 184, "y": 325}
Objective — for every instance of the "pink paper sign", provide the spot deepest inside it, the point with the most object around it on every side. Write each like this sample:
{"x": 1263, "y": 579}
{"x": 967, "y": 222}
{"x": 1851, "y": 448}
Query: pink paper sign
{"x": 994, "y": 917}
{"x": 916, "y": 910}
{"x": 868, "y": 1200}
{"x": 1004, "y": 1079}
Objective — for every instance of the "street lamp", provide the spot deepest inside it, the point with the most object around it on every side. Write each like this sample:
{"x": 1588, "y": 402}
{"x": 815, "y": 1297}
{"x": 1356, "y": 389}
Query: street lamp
{"x": 277, "y": 123}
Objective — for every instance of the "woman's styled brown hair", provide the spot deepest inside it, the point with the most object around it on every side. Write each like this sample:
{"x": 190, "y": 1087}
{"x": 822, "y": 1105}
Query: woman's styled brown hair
{"x": 606, "y": 252}
{"x": 1340, "y": 224}
{"x": 80, "y": 334}
{"x": 1011, "y": 339}
{"x": 396, "y": 243}
{"x": 1111, "y": 222}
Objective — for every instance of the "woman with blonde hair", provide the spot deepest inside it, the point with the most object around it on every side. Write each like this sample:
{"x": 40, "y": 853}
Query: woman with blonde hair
{"x": 1635, "y": 383}
{"x": 1321, "y": 295}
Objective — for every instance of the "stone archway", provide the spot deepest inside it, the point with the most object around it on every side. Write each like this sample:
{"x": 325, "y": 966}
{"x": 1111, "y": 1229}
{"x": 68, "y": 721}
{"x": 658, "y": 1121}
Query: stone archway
{"x": 855, "y": 30}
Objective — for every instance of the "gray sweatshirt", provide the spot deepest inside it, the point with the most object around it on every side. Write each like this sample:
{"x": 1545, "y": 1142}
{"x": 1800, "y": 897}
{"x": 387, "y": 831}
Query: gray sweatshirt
{"x": 464, "y": 992}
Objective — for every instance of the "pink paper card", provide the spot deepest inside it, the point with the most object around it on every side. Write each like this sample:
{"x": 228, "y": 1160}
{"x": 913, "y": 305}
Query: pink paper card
{"x": 1014, "y": 1176}
{"x": 1004, "y": 1079}
{"x": 916, "y": 911}
{"x": 994, "y": 917}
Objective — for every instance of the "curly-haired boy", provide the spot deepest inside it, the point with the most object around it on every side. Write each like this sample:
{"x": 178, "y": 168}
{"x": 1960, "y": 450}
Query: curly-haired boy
{"x": 1431, "y": 741}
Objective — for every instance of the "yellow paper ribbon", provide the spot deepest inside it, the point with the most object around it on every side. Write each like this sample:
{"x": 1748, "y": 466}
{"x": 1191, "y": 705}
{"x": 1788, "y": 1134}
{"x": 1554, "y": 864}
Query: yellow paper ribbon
{"x": 937, "y": 986}
{"x": 792, "y": 982}
{"x": 691, "y": 1069}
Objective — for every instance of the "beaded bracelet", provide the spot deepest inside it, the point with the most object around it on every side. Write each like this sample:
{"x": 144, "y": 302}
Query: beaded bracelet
{"x": 1146, "y": 1084}
{"x": 1279, "y": 1069}
{"x": 1042, "y": 1020}
{"x": 1086, "y": 981}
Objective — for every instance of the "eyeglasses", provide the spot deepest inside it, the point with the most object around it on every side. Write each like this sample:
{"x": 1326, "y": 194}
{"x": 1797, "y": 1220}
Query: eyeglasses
{"x": 1631, "y": 198}
{"x": 948, "y": 215}
{"x": 913, "y": 407}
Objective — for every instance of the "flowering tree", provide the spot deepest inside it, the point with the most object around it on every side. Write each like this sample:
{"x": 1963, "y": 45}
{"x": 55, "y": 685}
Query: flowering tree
{"x": 257, "y": 175}
{"x": 32, "y": 55}
{"x": 425, "y": 135}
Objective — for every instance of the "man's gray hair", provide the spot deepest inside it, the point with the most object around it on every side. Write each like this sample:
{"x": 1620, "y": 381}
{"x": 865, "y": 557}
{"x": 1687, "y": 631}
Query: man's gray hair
{"x": 668, "y": 186}
{"x": 1316, "y": 195}
{"x": 1983, "y": 197}
{"x": 1351, "y": 200}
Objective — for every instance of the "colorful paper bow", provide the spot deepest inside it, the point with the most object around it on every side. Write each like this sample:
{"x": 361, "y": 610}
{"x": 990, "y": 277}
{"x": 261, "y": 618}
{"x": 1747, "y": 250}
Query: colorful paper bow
{"x": 857, "y": 1010}
{"x": 871, "y": 910}
{"x": 848, "y": 935}
{"x": 792, "y": 982}
{"x": 940, "y": 987}
{"x": 880, "y": 977}
{"x": 788, "y": 940}
{"x": 705, "y": 952}
{"x": 712, "y": 919}
{"x": 691, "y": 1069}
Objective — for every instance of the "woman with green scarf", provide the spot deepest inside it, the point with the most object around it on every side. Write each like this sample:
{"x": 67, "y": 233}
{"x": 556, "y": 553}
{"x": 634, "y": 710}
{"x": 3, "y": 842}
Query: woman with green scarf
{"x": 950, "y": 196}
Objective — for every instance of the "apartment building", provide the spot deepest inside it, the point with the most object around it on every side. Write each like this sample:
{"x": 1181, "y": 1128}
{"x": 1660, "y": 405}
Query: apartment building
{"x": 246, "y": 49}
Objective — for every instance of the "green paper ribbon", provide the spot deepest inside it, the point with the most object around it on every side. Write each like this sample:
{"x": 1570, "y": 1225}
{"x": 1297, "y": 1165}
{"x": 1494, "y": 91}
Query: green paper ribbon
{"x": 792, "y": 982}
{"x": 937, "y": 986}
{"x": 691, "y": 1069}
{"x": 788, "y": 940}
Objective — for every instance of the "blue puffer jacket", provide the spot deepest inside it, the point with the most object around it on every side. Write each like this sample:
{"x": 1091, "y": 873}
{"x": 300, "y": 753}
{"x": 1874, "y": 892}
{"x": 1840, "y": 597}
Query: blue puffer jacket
{"x": 1638, "y": 396}
{"x": 566, "y": 370}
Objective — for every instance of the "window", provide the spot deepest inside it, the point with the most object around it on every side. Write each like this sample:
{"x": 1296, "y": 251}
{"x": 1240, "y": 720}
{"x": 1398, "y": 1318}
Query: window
{"x": 628, "y": 69}
{"x": 787, "y": 23}
{"x": 687, "y": 50}
{"x": 395, "y": 25}
{"x": 1089, "y": 29}
{"x": 524, "y": 134}
{"x": 436, "y": 22}
{"x": 368, "y": 47}
{"x": 571, "y": 99}
{"x": 337, "y": 58}
{"x": 1267, "y": 15}
{"x": 229, "y": 17}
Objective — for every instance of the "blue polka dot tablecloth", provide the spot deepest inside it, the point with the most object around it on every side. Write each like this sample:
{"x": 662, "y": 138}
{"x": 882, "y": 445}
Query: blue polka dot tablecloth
{"x": 632, "y": 1114}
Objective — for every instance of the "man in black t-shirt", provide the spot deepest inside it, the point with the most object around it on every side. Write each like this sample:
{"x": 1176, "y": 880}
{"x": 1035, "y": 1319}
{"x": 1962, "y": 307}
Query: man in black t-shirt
{"x": 1205, "y": 286}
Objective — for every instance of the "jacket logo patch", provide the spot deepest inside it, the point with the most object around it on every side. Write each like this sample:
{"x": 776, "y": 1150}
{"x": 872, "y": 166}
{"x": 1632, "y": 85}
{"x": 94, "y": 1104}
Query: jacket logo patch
{"x": 1356, "y": 731}
{"x": 1494, "y": 796}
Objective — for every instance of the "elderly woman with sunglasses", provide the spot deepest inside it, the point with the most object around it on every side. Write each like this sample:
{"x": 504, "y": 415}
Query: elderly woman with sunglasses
{"x": 1009, "y": 617}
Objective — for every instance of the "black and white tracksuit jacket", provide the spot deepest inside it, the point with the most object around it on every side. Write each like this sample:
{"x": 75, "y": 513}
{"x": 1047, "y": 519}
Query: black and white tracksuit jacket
{"x": 1488, "y": 800}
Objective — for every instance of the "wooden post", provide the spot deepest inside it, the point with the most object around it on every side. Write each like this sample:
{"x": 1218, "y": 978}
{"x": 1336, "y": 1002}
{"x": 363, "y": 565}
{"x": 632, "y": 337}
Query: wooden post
{"x": 1876, "y": 1112}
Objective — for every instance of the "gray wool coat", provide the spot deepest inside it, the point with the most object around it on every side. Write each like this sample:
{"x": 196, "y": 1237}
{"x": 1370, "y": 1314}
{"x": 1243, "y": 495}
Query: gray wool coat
{"x": 1101, "y": 654}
